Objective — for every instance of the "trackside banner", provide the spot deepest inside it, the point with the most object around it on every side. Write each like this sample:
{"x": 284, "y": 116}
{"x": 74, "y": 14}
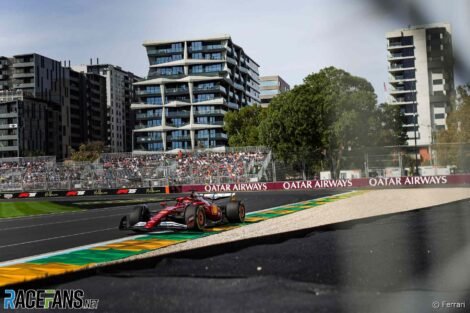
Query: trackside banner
{"x": 332, "y": 183}
{"x": 285, "y": 185}
{"x": 83, "y": 193}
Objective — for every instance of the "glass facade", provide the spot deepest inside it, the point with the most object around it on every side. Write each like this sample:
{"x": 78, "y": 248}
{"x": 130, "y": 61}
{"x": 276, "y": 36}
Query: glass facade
{"x": 179, "y": 114}
{"x": 269, "y": 83}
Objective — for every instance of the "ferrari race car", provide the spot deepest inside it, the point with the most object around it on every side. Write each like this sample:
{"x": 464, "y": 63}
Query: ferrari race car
{"x": 193, "y": 212}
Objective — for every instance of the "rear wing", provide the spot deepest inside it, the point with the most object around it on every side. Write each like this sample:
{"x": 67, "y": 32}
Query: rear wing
{"x": 216, "y": 196}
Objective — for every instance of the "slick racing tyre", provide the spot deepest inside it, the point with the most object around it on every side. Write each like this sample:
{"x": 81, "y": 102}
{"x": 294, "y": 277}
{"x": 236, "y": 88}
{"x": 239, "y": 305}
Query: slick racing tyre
{"x": 195, "y": 217}
{"x": 235, "y": 212}
{"x": 139, "y": 213}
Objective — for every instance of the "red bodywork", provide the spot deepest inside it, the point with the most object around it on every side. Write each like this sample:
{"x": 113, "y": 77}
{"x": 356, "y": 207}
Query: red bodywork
{"x": 213, "y": 211}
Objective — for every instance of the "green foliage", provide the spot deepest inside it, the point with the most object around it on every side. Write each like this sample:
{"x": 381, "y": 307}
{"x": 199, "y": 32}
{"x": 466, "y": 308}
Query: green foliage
{"x": 88, "y": 152}
{"x": 451, "y": 148}
{"x": 389, "y": 130}
{"x": 458, "y": 121}
{"x": 242, "y": 126}
{"x": 330, "y": 113}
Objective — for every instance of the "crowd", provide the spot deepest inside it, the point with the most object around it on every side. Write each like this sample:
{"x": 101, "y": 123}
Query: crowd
{"x": 231, "y": 166}
{"x": 127, "y": 170}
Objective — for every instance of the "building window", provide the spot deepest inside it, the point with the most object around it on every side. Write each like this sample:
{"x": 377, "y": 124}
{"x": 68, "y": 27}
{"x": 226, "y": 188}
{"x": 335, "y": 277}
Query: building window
{"x": 269, "y": 83}
{"x": 439, "y": 116}
{"x": 152, "y": 123}
{"x": 269, "y": 92}
{"x": 196, "y": 45}
{"x": 205, "y": 97}
{"x": 154, "y": 100}
{"x": 167, "y": 71}
{"x": 197, "y": 69}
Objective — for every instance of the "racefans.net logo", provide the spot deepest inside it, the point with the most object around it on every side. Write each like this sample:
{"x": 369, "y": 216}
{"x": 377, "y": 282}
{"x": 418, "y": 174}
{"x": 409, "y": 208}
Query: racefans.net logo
{"x": 52, "y": 299}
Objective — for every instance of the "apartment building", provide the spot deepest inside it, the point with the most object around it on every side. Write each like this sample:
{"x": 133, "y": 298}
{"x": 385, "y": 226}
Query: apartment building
{"x": 43, "y": 80}
{"x": 119, "y": 96}
{"x": 191, "y": 85}
{"x": 271, "y": 86}
{"x": 88, "y": 110}
{"x": 421, "y": 78}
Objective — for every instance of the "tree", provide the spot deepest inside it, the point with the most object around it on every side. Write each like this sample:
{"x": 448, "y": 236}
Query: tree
{"x": 389, "y": 126}
{"x": 289, "y": 127}
{"x": 451, "y": 141}
{"x": 88, "y": 152}
{"x": 458, "y": 121}
{"x": 332, "y": 111}
{"x": 242, "y": 126}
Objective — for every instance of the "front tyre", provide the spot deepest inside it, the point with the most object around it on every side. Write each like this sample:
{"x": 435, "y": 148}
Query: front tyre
{"x": 195, "y": 218}
{"x": 235, "y": 212}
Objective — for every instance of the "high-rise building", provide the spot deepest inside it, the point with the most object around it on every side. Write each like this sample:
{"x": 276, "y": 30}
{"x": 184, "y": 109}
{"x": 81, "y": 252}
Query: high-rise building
{"x": 190, "y": 86}
{"x": 270, "y": 87}
{"x": 23, "y": 125}
{"x": 421, "y": 78}
{"x": 43, "y": 80}
{"x": 120, "y": 95}
{"x": 87, "y": 108}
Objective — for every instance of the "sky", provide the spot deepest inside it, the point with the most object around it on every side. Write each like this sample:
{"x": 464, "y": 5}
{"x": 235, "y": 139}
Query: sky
{"x": 288, "y": 38}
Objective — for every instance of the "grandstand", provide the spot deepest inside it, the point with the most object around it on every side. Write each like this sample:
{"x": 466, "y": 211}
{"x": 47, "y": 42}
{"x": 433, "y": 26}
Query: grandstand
{"x": 128, "y": 170}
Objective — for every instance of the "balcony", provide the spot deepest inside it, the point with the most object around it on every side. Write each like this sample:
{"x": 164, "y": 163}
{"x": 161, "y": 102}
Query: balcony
{"x": 208, "y": 73}
{"x": 173, "y": 91}
{"x": 178, "y": 114}
{"x": 400, "y": 78}
{"x": 215, "y": 88}
{"x": 8, "y": 115}
{"x": 178, "y": 138}
{"x": 8, "y": 137}
{"x": 9, "y": 148}
{"x": 210, "y": 112}
{"x": 399, "y": 56}
{"x": 398, "y": 45}
{"x": 144, "y": 116}
{"x": 23, "y": 64}
{"x": 401, "y": 90}
{"x": 148, "y": 139}
{"x": 161, "y": 52}
{"x": 231, "y": 61}
{"x": 398, "y": 68}
{"x": 238, "y": 86}
{"x": 3, "y": 76}
{"x": 233, "y": 105}
{"x": 148, "y": 92}
{"x": 23, "y": 85}
{"x": 208, "y": 48}
{"x": 22, "y": 75}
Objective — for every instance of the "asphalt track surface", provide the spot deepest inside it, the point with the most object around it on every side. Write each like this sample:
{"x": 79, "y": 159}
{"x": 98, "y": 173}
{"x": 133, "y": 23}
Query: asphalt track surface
{"x": 33, "y": 235}
{"x": 393, "y": 263}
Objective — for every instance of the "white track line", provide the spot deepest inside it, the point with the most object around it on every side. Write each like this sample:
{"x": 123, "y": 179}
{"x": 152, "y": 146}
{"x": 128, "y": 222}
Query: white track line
{"x": 79, "y": 211}
{"x": 60, "y": 222}
{"x": 55, "y": 253}
{"x": 93, "y": 245}
{"x": 53, "y": 238}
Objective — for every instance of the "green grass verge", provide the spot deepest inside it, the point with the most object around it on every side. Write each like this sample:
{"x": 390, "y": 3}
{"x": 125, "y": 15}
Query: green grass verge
{"x": 15, "y": 209}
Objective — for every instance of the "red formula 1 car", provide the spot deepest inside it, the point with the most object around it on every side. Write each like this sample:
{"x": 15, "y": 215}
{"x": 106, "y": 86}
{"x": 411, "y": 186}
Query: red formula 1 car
{"x": 193, "y": 212}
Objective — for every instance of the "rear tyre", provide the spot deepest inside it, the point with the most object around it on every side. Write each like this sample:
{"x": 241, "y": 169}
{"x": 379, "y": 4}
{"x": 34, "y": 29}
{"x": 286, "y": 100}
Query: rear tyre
{"x": 195, "y": 218}
{"x": 235, "y": 212}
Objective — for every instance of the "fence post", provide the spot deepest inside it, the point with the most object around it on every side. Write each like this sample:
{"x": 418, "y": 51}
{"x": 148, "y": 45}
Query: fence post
{"x": 274, "y": 169}
{"x": 366, "y": 163}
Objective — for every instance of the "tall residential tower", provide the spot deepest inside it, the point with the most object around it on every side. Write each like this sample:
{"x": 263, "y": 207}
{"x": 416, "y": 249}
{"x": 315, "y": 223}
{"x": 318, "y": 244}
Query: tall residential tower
{"x": 421, "y": 77}
{"x": 191, "y": 84}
